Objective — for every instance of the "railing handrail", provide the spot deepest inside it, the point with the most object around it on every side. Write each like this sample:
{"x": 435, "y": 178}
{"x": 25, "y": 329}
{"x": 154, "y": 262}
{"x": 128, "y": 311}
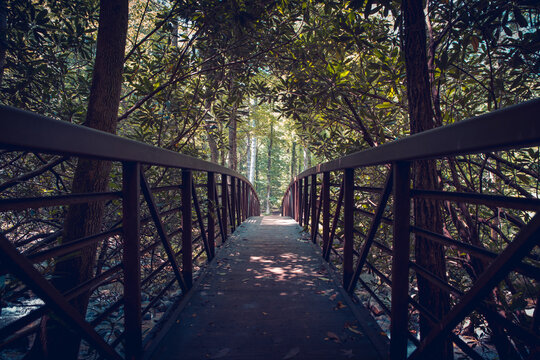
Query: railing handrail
{"x": 308, "y": 198}
{"x": 510, "y": 127}
{"x": 24, "y": 130}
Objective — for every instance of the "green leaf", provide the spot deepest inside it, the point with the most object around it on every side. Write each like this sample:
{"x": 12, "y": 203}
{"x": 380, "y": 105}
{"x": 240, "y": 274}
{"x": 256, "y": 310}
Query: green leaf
{"x": 384, "y": 105}
{"x": 344, "y": 73}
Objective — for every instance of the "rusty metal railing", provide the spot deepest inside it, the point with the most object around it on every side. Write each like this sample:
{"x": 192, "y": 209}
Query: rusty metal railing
{"x": 163, "y": 216}
{"x": 358, "y": 208}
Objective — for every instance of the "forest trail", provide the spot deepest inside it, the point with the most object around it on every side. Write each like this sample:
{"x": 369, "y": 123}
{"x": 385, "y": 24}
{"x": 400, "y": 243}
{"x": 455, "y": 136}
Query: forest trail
{"x": 268, "y": 295}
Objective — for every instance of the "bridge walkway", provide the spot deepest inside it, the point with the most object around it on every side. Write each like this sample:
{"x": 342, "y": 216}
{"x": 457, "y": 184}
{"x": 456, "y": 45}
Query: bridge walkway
{"x": 269, "y": 295}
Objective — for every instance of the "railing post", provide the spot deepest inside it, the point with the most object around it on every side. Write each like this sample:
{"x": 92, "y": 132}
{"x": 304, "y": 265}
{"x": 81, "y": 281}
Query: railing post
{"x": 301, "y": 202}
{"x": 289, "y": 202}
{"x": 246, "y": 200}
{"x": 306, "y": 202}
{"x": 325, "y": 200}
{"x": 297, "y": 200}
{"x": 187, "y": 265}
{"x": 210, "y": 185}
{"x": 314, "y": 223}
{"x": 400, "y": 262}
{"x": 243, "y": 200}
{"x": 233, "y": 204}
{"x": 131, "y": 260}
{"x": 224, "y": 207}
{"x": 239, "y": 207}
{"x": 348, "y": 215}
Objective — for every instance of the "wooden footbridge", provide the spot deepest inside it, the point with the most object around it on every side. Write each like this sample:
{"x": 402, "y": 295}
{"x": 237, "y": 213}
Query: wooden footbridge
{"x": 184, "y": 267}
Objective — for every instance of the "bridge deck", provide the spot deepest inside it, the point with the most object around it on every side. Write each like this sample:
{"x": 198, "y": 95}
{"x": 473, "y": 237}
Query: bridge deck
{"x": 268, "y": 295}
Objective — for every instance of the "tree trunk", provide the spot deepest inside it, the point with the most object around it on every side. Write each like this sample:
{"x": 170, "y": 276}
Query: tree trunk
{"x": 257, "y": 168}
{"x": 233, "y": 157}
{"x": 253, "y": 154}
{"x": 268, "y": 177}
{"x": 427, "y": 213}
{"x": 248, "y": 153}
{"x": 293, "y": 160}
{"x": 214, "y": 152}
{"x": 56, "y": 341}
{"x": 3, "y": 38}
{"x": 431, "y": 50}
{"x": 307, "y": 159}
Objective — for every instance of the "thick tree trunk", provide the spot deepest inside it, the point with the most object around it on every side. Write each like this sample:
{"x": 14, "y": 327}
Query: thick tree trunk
{"x": 427, "y": 213}
{"x": 268, "y": 177}
{"x": 56, "y": 340}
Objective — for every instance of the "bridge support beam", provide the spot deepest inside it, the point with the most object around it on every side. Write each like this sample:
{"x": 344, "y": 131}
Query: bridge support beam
{"x": 348, "y": 214}
{"x": 400, "y": 261}
{"x": 306, "y": 202}
{"x": 233, "y": 204}
{"x": 314, "y": 221}
{"x": 325, "y": 199}
{"x": 224, "y": 207}
{"x": 211, "y": 226}
{"x": 131, "y": 259}
{"x": 187, "y": 265}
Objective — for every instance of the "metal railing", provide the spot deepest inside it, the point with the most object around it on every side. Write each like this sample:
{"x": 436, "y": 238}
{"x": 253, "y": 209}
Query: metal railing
{"x": 358, "y": 208}
{"x": 154, "y": 237}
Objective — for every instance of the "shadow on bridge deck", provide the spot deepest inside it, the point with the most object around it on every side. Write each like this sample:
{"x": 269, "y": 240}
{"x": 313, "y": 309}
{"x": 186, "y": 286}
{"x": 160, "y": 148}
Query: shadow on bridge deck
{"x": 268, "y": 295}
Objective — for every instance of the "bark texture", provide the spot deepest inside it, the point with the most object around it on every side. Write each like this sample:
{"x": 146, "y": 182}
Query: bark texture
{"x": 427, "y": 213}
{"x": 57, "y": 341}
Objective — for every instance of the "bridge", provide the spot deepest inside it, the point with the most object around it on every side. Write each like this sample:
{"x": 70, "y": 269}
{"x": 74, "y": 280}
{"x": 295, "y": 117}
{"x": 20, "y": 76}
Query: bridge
{"x": 186, "y": 268}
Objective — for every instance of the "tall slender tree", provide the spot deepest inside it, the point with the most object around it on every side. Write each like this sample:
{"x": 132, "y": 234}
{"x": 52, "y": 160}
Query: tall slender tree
{"x": 269, "y": 168}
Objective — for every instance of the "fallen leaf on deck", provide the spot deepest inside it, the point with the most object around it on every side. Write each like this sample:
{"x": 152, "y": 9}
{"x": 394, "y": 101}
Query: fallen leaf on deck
{"x": 265, "y": 313}
{"x": 340, "y": 305}
{"x": 333, "y": 297}
{"x": 333, "y": 336}
{"x": 352, "y": 328}
{"x": 347, "y": 353}
{"x": 292, "y": 353}
{"x": 221, "y": 353}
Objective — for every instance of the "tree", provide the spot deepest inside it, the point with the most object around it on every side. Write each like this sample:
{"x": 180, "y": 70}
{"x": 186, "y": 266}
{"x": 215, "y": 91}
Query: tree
{"x": 57, "y": 341}
{"x": 269, "y": 168}
{"x": 427, "y": 213}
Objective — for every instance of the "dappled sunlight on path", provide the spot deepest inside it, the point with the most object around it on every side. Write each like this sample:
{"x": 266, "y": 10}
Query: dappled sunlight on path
{"x": 267, "y": 296}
